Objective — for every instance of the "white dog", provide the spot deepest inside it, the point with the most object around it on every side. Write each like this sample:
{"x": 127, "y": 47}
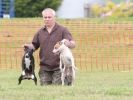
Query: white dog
{"x": 67, "y": 65}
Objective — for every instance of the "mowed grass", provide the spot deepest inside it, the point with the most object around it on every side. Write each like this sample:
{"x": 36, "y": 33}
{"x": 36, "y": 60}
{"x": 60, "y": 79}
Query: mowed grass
{"x": 88, "y": 86}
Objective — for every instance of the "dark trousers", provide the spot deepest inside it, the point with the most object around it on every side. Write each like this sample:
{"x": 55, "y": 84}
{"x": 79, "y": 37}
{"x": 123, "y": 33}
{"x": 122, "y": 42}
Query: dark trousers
{"x": 50, "y": 77}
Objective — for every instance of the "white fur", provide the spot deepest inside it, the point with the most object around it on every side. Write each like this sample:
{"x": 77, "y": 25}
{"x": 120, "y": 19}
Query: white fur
{"x": 65, "y": 57}
{"x": 23, "y": 72}
{"x": 32, "y": 76}
{"x": 27, "y": 62}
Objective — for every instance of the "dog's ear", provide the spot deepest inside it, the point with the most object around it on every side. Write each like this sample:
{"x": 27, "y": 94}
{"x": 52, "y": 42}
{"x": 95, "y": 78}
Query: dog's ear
{"x": 26, "y": 48}
{"x": 61, "y": 42}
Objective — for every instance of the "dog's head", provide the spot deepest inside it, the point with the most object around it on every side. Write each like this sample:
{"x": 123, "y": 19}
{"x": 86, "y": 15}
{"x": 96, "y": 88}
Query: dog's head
{"x": 58, "y": 47}
{"x": 28, "y": 52}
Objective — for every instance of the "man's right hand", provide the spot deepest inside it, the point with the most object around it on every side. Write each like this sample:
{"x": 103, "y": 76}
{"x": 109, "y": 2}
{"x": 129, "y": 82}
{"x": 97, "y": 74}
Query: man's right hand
{"x": 30, "y": 46}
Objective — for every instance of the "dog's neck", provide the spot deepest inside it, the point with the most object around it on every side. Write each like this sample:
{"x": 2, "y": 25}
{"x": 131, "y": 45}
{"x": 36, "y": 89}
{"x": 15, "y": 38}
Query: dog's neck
{"x": 64, "y": 50}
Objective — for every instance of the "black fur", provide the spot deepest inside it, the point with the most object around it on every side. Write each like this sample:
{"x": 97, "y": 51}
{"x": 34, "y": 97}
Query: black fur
{"x": 28, "y": 71}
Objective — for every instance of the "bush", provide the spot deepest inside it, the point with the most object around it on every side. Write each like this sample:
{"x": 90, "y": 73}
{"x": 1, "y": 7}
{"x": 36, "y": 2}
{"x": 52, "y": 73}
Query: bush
{"x": 113, "y": 10}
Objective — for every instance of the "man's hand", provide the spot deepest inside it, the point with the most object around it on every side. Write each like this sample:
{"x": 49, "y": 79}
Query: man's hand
{"x": 70, "y": 44}
{"x": 30, "y": 46}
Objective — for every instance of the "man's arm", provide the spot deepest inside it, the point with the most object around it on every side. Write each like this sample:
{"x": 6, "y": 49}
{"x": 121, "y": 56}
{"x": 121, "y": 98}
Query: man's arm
{"x": 70, "y": 44}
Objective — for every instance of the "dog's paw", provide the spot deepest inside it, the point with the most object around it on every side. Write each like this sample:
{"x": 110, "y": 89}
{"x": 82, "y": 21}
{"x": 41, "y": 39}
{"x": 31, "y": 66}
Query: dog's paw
{"x": 32, "y": 76}
{"x": 23, "y": 73}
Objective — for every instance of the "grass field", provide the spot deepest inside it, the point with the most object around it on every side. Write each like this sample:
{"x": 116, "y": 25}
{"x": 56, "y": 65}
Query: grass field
{"x": 104, "y": 61}
{"x": 88, "y": 86}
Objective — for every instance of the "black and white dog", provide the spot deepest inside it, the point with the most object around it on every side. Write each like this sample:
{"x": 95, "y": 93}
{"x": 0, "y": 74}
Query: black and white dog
{"x": 28, "y": 66}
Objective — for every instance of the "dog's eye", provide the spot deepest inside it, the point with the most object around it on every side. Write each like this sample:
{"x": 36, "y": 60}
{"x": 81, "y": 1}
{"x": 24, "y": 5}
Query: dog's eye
{"x": 60, "y": 43}
{"x": 55, "y": 47}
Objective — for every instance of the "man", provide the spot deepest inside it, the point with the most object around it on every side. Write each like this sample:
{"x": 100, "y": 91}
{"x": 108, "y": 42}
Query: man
{"x": 45, "y": 39}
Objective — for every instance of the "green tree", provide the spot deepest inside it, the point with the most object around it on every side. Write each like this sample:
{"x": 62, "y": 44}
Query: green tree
{"x": 33, "y": 8}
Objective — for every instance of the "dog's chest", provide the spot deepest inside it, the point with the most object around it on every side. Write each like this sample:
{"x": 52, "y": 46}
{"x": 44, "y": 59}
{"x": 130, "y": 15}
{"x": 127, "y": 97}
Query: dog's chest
{"x": 66, "y": 59}
{"x": 27, "y": 63}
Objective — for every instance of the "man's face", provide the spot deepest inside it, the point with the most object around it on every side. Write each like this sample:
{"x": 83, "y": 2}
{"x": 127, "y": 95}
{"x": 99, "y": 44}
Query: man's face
{"x": 48, "y": 18}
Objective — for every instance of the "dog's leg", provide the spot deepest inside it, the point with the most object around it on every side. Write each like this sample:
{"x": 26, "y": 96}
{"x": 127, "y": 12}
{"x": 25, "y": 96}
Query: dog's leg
{"x": 20, "y": 79}
{"x": 32, "y": 70}
{"x": 33, "y": 77}
{"x": 35, "y": 80}
{"x": 32, "y": 66}
{"x": 23, "y": 72}
{"x": 61, "y": 69}
{"x": 63, "y": 76}
{"x": 61, "y": 65}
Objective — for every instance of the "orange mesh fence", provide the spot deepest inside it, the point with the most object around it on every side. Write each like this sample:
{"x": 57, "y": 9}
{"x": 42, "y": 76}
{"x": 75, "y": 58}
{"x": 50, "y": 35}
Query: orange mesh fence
{"x": 99, "y": 46}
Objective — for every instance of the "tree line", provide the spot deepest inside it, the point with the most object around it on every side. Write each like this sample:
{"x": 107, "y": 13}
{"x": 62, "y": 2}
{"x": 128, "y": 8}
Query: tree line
{"x": 33, "y": 8}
